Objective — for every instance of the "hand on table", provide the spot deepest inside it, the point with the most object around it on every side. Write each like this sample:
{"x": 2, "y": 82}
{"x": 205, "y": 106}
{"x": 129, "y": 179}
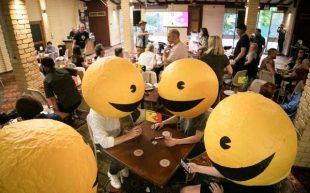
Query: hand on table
{"x": 135, "y": 132}
{"x": 170, "y": 142}
{"x": 157, "y": 126}
{"x": 215, "y": 188}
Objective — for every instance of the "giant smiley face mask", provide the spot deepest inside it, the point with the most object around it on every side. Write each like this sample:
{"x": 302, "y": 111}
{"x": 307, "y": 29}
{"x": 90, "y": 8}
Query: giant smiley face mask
{"x": 188, "y": 87}
{"x": 113, "y": 87}
{"x": 43, "y": 155}
{"x": 250, "y": 140}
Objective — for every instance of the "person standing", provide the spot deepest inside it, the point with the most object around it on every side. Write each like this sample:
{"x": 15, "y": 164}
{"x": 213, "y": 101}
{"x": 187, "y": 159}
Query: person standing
{"x": 176, "y": 49}
{"x": 80, "y": 38}
{"x": 260, "y": 41}
{"x": 142, "y": 38}
{"x": 241, "y": 49}
{"x": 281, "y": 31}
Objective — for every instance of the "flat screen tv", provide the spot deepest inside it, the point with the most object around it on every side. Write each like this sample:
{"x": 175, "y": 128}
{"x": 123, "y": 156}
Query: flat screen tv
{"x": 175, "y": 19}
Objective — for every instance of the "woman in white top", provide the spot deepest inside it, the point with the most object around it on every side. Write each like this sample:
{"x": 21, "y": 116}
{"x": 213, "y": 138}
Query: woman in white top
{"x": 148, "y": 58}
{"x": 107, "y": 133}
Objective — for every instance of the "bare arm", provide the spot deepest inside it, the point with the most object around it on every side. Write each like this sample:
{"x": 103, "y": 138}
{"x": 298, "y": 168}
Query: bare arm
{"x": 135, "y": 132}
{"x": 229, "y": 69}
{"x": 73, "y": 44}
{"x": 170, "y": 120}
{"x": 212, "y": 171}
{"x": 270, "y": 68}
{"x": 53, "y": 101}
{"x": 191, "y": 139}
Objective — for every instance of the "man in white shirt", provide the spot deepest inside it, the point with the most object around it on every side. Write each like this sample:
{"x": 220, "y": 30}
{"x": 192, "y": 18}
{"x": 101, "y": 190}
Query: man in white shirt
{"x": 106, "y": 132}
{"x": 176, "y": 49}
{"x": 148, "y": 58}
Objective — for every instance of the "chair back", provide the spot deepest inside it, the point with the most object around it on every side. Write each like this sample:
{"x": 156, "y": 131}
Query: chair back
{"x": 149, "y": 77}
{"x": 38, "y": 96}
{"x": 267, "y": 76}
{"x": 237, "y": 76}
{"x": 256, "y": 84}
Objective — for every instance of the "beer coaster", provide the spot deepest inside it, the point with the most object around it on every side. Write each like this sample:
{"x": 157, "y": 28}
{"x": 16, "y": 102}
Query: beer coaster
{"x": 154, "y": 142}
{"x": 164, "y": 163}
{"x": 166, "y": 134}
{"x": 138, "y": 152}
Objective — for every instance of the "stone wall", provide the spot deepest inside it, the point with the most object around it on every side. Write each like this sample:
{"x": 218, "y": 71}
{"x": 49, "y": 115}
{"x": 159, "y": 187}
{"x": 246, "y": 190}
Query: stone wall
{"x": 19, "y": 40}
{"x": 302, "y": 123}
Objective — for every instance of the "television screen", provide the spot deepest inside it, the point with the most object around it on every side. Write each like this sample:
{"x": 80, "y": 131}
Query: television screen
{"x": 175, "y": 19}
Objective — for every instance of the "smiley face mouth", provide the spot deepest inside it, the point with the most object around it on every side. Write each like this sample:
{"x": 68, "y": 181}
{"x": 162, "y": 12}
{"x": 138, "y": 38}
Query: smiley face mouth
{"x": 244, "y": 173}
{"x": 180, "y": 106}
{"x": 126, "y": 107}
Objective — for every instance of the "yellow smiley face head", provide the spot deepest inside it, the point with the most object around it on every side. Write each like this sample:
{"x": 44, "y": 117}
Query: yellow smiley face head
{"x": 113, "y": 87}
{"x": 41, "y": 155}
{"x": 188, "y": 87}
{"x": 250, "y": 140}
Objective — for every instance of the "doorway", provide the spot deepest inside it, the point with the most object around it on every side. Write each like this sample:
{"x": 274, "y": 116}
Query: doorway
{"x": 268, "y": 22}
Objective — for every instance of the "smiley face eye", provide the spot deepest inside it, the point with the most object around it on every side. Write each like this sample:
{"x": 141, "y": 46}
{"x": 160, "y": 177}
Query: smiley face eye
{"x": 133, "y": 88}
{"x": 224, "y": 142}
{"x": 180, "y": 85}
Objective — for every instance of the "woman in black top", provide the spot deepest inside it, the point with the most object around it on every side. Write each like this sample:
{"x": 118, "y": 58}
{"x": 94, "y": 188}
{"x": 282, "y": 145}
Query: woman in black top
{"x": 77, "y": 57}
{"x": 216, "y": 58}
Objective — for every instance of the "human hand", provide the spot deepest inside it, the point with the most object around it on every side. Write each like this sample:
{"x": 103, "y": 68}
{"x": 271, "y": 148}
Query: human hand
{"x": 232, "y": 62}
{"x": 193, "y": 167}
{"x": 170, "y": 142}
{"x": 157, "y": 126}
{"x": 215, "y": 188}
{"x": 135, "y": 132}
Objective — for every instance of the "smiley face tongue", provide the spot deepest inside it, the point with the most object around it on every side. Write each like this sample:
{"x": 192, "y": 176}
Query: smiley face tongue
{"x": 244, "y": 173}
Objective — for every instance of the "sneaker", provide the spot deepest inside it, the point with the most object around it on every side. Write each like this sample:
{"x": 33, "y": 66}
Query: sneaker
{"x": 125, "y": 172}
{"x": 114, "y": 180}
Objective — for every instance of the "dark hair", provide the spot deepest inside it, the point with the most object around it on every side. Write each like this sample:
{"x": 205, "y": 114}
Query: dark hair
{"x": 267, "y": 90}
{"x": 77, "y": 50}
{"x": 271, "y": 50}
{"x": 98, "y": 49}
{"x": 118, "y": 51}
{"x": 27, "y": 107}
{"x": 241, "y": 26}
{"x": 49, "y": 42}
{"x": 259, "y": 30}
{"x": 47, "y": 62}
{"x": 205, "y": 32}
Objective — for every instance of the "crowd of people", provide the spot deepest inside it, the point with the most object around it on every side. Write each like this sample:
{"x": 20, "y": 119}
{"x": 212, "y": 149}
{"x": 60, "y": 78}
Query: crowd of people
{"x": 64, "y": 96}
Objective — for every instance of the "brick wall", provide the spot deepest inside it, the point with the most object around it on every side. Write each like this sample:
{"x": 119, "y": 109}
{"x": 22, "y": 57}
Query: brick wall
{"x": 127, "y": 23}
{"x": 5, "y": 64}
{"x": 251, "y": 15}
{"x": 302, "y": 123}
{"x": 20, "y": 40}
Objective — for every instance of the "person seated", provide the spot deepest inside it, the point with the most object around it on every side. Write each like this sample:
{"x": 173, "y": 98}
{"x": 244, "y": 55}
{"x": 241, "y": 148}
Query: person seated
{"x": 301, "y": 72}
{"x": 77, "y": 57}
{"x": 50, "y": 49}
{"x": 296, "y": 60}
{"x": 28, "y": 107}
{"x": 267, "y": 90}
{"x": 225, "y": 186}
{"x": 290, "y": 107}
{"x": 268, "y": 62}
{"x": 193, "y": 128}
{"x": 107, "y": 133}
{"x": 119, "y": 52}
{"x": 99, "y": 50}
{"x": 6, "y": 117}
{"x": 60, "y": 88}
{"x": 148, "y": 58}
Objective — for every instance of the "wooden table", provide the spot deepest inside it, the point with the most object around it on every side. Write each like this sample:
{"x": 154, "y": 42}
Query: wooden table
{"x": 147, "y": 165}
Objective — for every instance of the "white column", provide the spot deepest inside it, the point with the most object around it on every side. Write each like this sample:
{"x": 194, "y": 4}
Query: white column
{"x": 127, "y": 26}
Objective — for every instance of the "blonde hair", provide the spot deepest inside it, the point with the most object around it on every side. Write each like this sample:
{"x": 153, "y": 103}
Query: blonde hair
{"x": 215, "y": 46}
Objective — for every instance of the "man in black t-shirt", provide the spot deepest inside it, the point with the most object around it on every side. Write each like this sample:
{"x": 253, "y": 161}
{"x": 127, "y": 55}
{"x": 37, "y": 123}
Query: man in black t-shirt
{"x": 80, "y": 38}
{"x": 60, "y": 88}
{"x": 241, "y": 49}
{"x": 260, "y": 41}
